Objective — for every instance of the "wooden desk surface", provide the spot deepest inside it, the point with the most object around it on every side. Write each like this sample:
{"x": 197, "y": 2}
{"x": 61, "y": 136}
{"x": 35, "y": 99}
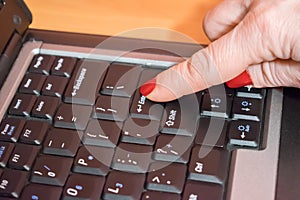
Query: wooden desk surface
{"x": 115, "y": 17}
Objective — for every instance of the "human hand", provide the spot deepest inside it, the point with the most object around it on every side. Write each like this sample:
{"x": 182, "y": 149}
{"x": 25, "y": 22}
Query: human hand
{"x": 255, "y": 42}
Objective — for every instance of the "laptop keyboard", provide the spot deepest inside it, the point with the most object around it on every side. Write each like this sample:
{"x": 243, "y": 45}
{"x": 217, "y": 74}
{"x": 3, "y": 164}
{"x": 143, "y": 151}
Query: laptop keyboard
{"x": 79, "y": 129}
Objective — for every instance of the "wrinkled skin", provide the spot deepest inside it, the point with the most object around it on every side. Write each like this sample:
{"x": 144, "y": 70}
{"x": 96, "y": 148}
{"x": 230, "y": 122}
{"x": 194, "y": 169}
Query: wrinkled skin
{"x": 259, "y": 36}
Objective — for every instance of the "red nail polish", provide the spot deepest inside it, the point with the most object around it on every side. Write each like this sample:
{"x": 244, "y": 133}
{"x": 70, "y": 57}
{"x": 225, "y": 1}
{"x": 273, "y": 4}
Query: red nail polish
{"x": 148, "y": 87}
{"x": 241, "y": 80}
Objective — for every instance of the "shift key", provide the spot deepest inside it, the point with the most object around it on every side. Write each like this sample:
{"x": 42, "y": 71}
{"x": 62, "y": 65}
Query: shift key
{"x": 85, "y": 82}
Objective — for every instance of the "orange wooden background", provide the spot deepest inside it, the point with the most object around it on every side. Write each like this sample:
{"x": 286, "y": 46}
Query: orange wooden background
{"x": 112, "y": 17}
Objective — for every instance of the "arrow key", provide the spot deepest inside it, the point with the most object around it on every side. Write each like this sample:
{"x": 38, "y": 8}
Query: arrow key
{"x": 248, "y": 109}
{"x": 216, "y": 105}
{"x": 244, "y": 133}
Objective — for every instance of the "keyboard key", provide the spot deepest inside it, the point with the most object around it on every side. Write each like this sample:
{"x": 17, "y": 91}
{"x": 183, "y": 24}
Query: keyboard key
{"x": 208, "y": 164}
{"x": 45, "y": 107}
{"x": 121, "y": 80}
{"x": 54, "y": 86}
{"x": 6, "y": 149}
{"x": 11, "y": 129}
{"x": 51, "y": 170}
{"x": 244, "y": 133}
{"x": 93, "y": 160}
{"x": 63, "y": 66}
{"x": 102, "y": 133}
{"x": 173, "y": 148}
{"x": 248, "y": 109}
{"x": 166, "y": 177}
{"x": 181, "y": 116}
{"x": 85, "y": 82}
{"x": 34, "y": 132}
{"x": 62, "y": 142}
{"x": 72, "y": 116}
{"x": 23, "y": 157}
{"x": 140, "y": 131}
{"x": 199, "y": 190}
{"x": 22, "y": 105}
{"x": 148, "y": 74}
{"x": 41, "y": 64}
{"x": 83, "y": 187}
{"x": 12, "y": 183}
{"x": 32, "y": 84}
{"x": 216, "y": 105}
{"x": 212, "y": 132}
{"x": 37, "y": 191}
{"x": 222, "y": 89}
{"x": 143, "y": 108}
{"x": 251, "y": 92}
{"x": 152, "y": 195}
{"x": 122, "y": 185}
{"x": 111, "y": 108}
{"x": 132, "y": 158}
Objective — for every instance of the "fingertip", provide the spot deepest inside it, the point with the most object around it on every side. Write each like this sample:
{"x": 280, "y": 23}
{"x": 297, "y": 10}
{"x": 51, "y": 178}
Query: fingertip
{"x": 156, "y": 92}
{"x": 241, "y": 80}
{"x": 148, "y": 87}
{"x": 161, "y": 94}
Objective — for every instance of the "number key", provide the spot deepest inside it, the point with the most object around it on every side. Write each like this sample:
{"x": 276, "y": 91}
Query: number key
{"x": 51, "y": 170}
{"x": 83, "y": 187}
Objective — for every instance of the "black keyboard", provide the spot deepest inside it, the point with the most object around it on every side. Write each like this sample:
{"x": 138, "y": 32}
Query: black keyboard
{"x": 80, "y": 129}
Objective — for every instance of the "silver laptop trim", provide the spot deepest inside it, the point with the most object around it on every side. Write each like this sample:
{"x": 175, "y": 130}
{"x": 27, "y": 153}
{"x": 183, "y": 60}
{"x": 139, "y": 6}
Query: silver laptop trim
{"x": 254, "y": 173}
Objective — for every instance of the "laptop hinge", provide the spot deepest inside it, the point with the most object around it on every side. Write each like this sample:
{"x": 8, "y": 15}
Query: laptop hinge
{"x": 15, "y": 18}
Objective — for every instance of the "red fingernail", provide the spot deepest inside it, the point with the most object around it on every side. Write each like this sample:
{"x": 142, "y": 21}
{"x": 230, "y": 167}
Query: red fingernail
{"x": 241, "y": 80}
{"x": 148, "y": 87}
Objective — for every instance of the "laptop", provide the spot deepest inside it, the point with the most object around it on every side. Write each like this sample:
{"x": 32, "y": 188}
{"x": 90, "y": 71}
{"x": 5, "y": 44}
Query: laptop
{"x": 74, "y": 125}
